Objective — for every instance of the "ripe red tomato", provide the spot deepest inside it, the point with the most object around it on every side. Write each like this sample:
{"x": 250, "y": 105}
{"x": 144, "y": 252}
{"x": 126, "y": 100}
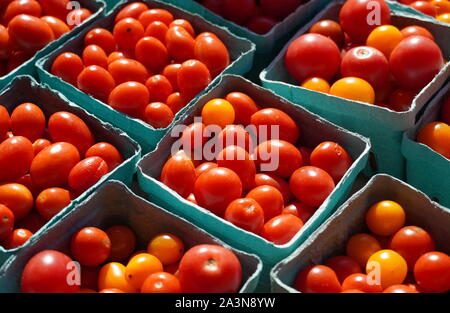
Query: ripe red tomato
{"x": 238, "y": 160}
{"x": 116, "y": 55}
{"x": 312, "y": 55}
{"x": 245, "y": 213}
{"x": 30, "y": 7}
{"x": 58, "y": 27}
{"x": 154, "y": 15}
{"x": 161, "y": 282}
{"x": 332, "y": 158}
{"x": 102, "y": 38}
{"x": 134, "y": 10}
{"x": 415, "y": 30}
{"x": 171, "y": 73}
{"x": 90, "y": 246}
{"x": 28, "y": 120}
{"x": 330, "y": 29}
{"x": 130, "y": 98}
{"x": 127, "y": 32}
{"x": 5, "y": 122}
{"x": 178, "y": 173}
{"x": 96, "y": 81}
{"x": 157, "y": 30}
{"x": 6, "y": 222}
{"x": 94, "y": 55}
{"x": 355, "y": 14}
{"x": 311, "y": 185}
{"x": 261, "y": 24}
{"x": 176, "y": 102}
{"x": 67, "y": 127}
{"x": 87, "y": 173}
{"x": 317, "y": 279}
{"x": 192, "y": 78}
{"x": 17, "y": 238}
{"x": 239, "y": 11}
{"x": 400, "y": 289}
{"x": 415, "y": 61}
{"x": 281, "y": 229}
{"x": 200, "y": 169}
{"x": 185, "y": 24}
{"x": 67, "y": 66}
{"x": 151, "y": 46}
{"x": 123, "y": 242}
{"x": 432, "y": 272}
{"x": 266, "y": 121}
{"x": 300, "y": 210}
{"x": 78, "y": 16}
{"x": 216, "y": 188}
{"x": 51, "y": 201}
{"x": 57, "y": 8}
{"x": 234, "y": 135}
{"x": 343, "y": 266}
{"x": 159, "y": 88}
{"x": 29, "y": 33}
{"x": 180, "y": 44}
{"x": 125, "y": 70}
{"x": 278, "y": 157}
{"x": 48, "y": 271}
{"x": 51, "y": 166}
{"x": 269, "y": 198}
{"x": 16, "y": 155}
{"x": 158, "y": 115}
{"x": 274, "y": 181}
{"x": 210, "y": 268}
{"x": 211, "y": 51}
{"x": 445, "y": 111}
{"x": 361, "y": 282}
{"x": 424, "y": 7}
{"x": 367, "y": 63}
{"x": 193, "y": 136}
{"x": 244, "y": 107}
{"x": 107, "y": 152}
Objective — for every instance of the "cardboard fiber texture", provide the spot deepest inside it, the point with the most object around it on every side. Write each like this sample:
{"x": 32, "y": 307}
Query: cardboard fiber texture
{"x": 331, "y": 238}
{"x": 26, "y": 89}
{"x": 29, "y": 67}
{"x": 384, "y": 127}
{"x": 115, "y": 204}
{"x": 241, "y": 54}
{"x": 426, "y": 169}
{"x": 314, "y": 131}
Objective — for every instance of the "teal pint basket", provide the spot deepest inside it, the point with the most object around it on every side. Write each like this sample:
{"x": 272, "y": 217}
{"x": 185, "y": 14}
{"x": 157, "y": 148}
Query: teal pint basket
{"x": 241, "y": 54}
{"x": 26, "y": 89}
{"x": 114, "y": 204}
{"x": 314, "y": 129}
{"x": 383, "y": 126}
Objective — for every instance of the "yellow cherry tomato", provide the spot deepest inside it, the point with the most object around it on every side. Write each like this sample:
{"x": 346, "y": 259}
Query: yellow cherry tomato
{"x": 353, "y": 88}
{"x": 167, "y": 248}
{"x": 361, "y": 246}
{"x": 218, "y": 112}
{"x": 444, "y": 17}
{"x": 441, "y": 6}
{"x": 316, "y": 84}
{"x": 436, "y": 135}
{"x": 112, "y": 275}
{"x": 140, "y": 267}
{"x": 388, "y": 266}
{"x": 385, "y": 38}
{"x": 385, "y": 218}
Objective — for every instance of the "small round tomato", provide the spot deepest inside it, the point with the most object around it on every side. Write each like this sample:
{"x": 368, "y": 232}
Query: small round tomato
{"x": 245, "y": 213}
{"x": 5, "y": 121}
{"x": 239, "y": 11}
{"x": 261, "y": 24}
{"x": 330, "y": 29}
{"x": 268, "y": 121}
{"x": 384, "y": 38}
{"x": 47, "y": 272}
{"x": 180, "y": 44}
{"x": 300, "y": 210}
{"x": 151, "y": 46}
{"x": 200, "y": 169}
{"x": 51, "y": 166}
{"x": 316, "y": 84}
{"x": 129, "y": 97}
{"x": 154, "y": 15}
{"x": 353, "y": 88}
{"x": 127, "y": 32}
{"x": 159, "y": 88}
{"x": 312, "y": 55}
{"x": 432, "y": 272}
{"x": 400, "y": 289}
{"x": 234, "y": 135}
{"x": 278, "y": 157}
{"x": 112, "y": 276}
{"x": 125, "y": 70}
{"x": 385, "y": 218}
{"x": 311, "y": 185}
{"x": 210, "y": 269}
{"x": 6, "y": 222}
{"x": 77, "y": 16}
{"x": 58, "y": 27}
{"x": 116, "y": 55}
{"x": 17, "y": 198}
{"x": 107, "y": 152}
{"x": 244, "y": 107}
{"x": 16, "y": 238}
{"x": 96, "y": 81}
{"x": 87, "y": 173}
{"x": 157, "y": 30}
{"x": 401, "y": 100}
{"x": 168, "y": 248}
{"x": 218, "y": 112}
{"x": 343, "y": 266}
{"x": 211, "y": 51}
{"x": 178, "y": 173}
{"x": 171, "y": 73}
{"x": 161, "y": 282}
{"x": 390, "y": 265}
{"x": 274, "y": 181}
{"x": 67, "y": 66}
{"x": 192, "y": 78}
{"x": 90, "y": 246}
{"x": 216, "y": 188}
{"x": 444, "y": 18}
{"x": 361, "y": 282}
{"x": 140, "y": 267}
{"x": 415, "y": 61}
{"x": 51, "y": 201}
{"x": 269, "y": 198}
{"x": 332, "y": 158}
{"x": 30, "y": 7}
{"x": 415, "y": 30}
{"x": 16, "y": 155}
{"x": 67, "y": 127}
{"x": 185, "y": 24}
{"x": 33, "y": 222}
{"x": 58, "y": 8}
{"x": 239, "y": 161}
{"x": 101, "y": 37}
{"x": 424, "y": 7}
{"x": 176, "y": 102}
{"x": 134, "y": 10}
{"x": 317, "y": 279}
{"x": 29, "y": 33}
{"x": 361, "y": 247}
{"x": 436, "y": 135}
{"x": 193, "y": 136}
{"x": 281, "y": 229}
{"x": 123, "y": 242}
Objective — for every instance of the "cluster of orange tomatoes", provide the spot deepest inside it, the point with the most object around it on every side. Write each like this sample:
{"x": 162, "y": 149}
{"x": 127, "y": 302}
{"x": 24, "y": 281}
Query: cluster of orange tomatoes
{"x": 436, "y": 135}
{"x": 396, "y": 259}
{"x": 149, "y": 67}
{"x": 164, "y": 267}
{"x": 29, "y": 25}
{"x": 43, "y": 165}
{"x": 267, "y": 183}
{"x": 380, "y": 65}
{"x": 439, "y": 9}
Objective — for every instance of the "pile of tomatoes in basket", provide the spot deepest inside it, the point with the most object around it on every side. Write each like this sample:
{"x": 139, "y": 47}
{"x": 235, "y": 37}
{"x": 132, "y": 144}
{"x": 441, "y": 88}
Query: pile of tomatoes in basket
{"x": 27, "y": 26}
{"x": 264, "y": 182}
{"x": 149, "y": 65}
{"x": 380, "y": 65}
{"x": 259, "y": 16}
{"x": 439, "y": 9}
{"x": 395, "y": 258}
{"x": 44, "y": 164}
{"x": 109, "y": 263}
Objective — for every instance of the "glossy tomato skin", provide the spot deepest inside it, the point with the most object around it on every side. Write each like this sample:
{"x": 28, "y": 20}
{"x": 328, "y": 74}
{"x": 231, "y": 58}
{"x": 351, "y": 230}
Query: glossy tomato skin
{"x": 168, "y": 248}
{"x": 153, "y": 15}
{"x": 185, "y": 24}
{"x": 234, "y": 135}
{"x": 90, "y": 246}
{"x": 210, "y": 268}
{"x": 127, "y": 32}
{"x": 432, "y": 272}
{"x": 67, "y": 66}
{"x": 157, "y": 29}
{"x": 28, "y": 120}
{"x": 96, "y": 81}
{"x": 30, "y": 7}
{"x": 5, "y": 121}
{"x": 112, "y": 275}
{"x": 360, "y": 282}
{"x": 193, "y": 137}
{"x": 331, "y": 29}
{"x": 317, "y": 279}
{"x": 124, "y": 70}
{"x": 274, "y": 181}
{"x": 332, "y": 158}
{"x": 300, "y": 210}
{"x": 107, "y": 152}
{"x": 57, "y": 8}
{"x": 343, "y": 266}
{"x": 212, "y": 52}
{"x": 51, "y": 201}
{"x": 29, "y": 33}
{"x": 424, "y": 7}
{"x": 16, "y": 155}
{"x": 415, "y": 30}
{"x": 281, "y": 229}
{"x": 134, "y": 10}
{"x": 17, "y": 198}
{"x": 244, "y": 107}
{"x": 178, "y": 173}
{"x": 151, "y": 46}
{"x": 271, "y": 118}
{"x": 17, "y": 238}
{"x": 161, "y": 282}
{"x": 312, "y": 55}
{"x": 200, "y": 169}
{"x": 6, "y": 221}
{"x": 58, "y": 26}
{"x": 245, "y": 213}
{"x": 129, "y": 97}
{"x": 102, "y": 38}
{"x": 123, "y": 242}
{"x": 269, "y": 198}
{"x": 94, "y": 55}
{"x": 239, "y": 161}
{"x": 192, "y": 78}
{"x": 158, "y": 115}
{"x": 415, "y": 61}
{"x": 354, "y": 15}
{"x": 159, "y": 88}
{"x": 311, "y": 185}
{"x": 400, "y": 289}
{"x": 87, "y": 173}
{"x": 180, "y": 44}
{"x": 47, "y": 272}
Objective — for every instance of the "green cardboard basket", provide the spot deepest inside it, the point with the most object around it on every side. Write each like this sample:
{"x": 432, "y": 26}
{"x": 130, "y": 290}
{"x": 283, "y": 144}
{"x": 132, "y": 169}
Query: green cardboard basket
{"x": 383, "y": 126}
{"x": 241, "y": 53}
{"x": 426, "y": 169}
{"x": 26, "y": 89}
{"x": 331, "y": 238}
{"x": 28, "y": 68}
{"x": 314, "y": 130}
{"x": 114, "y": 204}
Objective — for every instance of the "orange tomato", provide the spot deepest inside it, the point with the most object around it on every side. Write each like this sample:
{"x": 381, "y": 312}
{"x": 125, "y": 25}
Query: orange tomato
{"x": 218, "y": 112}
{"x": 123, "y": 242}
{"x": 17, "y": 198}
{"x": 436, "y": 135}
{"x": 316, "y": 84}
{"x": 140, "y": 267}
{"x": 192, "y": 78}
{"x": 112, "y": 275}
{"x": 51, "y": 201}
{"x": 168, "y": 248}
{"x": 16, "y": 155}
{"x": 353, "y": 88}
{"x": 444, "y": 17}
{"x": 385, "y": 218}
{"x": 361, "y": 247}
{"x": 154, "y": 15}
{"x": 389, "y": 266}
{"x": 385, "y": 38}
{"x": 441, "y": 6}
{"x": 127, "y": 33}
